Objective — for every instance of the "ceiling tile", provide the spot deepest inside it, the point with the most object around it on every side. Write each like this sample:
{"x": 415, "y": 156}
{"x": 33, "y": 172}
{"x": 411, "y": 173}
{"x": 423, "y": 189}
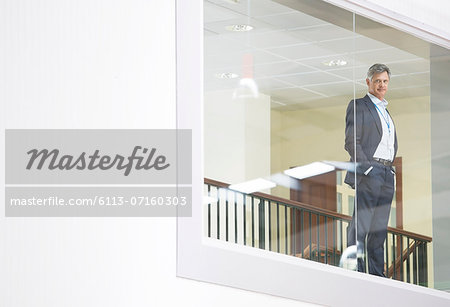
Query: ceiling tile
{"x": 311, "y": 78}
{"x": 291, "y": 20}
{"x": 268, "y": 85}
{"x": 252, "y": 7}
{"x": 224, "y": 61}
{"x": 386, "y": 56}
{"x": 346, "y": 72}
{"x": 214, "y": 13}
{"x": 409, "y": 66}
{"x": 293, "y": 95}
{"x": 345, "y": 45}
{"x": 273, "y": 39}
{"x": 321, "y": 32}
{"x": 289, "y": 49}
{"x": 280, "y": 68}
{"x": 363, "y": 43}
{"x": 221, "y": 45}
{"x": 302, "y": 51}
{"x": 336, "y": 89}
{"x": 219, "y": 27}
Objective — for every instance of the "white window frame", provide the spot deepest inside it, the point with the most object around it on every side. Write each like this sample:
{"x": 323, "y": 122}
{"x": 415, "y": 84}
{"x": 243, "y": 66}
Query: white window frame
{"x": 219, "y": 262}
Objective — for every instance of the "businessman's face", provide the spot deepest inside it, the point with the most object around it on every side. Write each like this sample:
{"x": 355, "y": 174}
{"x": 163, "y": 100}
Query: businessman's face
{"x": 378, "y": 85}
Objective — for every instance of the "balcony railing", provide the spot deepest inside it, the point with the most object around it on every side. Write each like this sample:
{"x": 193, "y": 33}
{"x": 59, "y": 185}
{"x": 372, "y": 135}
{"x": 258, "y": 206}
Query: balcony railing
{"x": 293, "y": 228}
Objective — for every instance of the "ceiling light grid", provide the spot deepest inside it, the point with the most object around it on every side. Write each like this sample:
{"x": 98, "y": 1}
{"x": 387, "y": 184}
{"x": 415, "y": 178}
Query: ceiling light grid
{"x": 297, "y": 35}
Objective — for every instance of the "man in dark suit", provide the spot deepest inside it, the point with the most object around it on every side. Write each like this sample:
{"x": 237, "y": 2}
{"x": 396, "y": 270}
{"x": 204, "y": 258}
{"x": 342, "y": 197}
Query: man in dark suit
{"x": 371, "y": 141}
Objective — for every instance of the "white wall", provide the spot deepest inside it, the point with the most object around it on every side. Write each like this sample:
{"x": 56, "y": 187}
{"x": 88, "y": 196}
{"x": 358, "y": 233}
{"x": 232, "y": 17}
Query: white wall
{"x": 94, "y": 64}
{"x": 236, "y": 137}
{"x": 427, "y": 20}
{"x": 432, "y": 13}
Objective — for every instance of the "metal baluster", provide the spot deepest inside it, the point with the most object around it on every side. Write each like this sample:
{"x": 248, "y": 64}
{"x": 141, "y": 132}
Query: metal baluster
{"x": 235, "y": 219}
{"x": 278, "y": 227}
{"x": 333, "y": 227}
{"x": 415, "y": 272}
{"x": 393, "y": 256}
{"x": 270, "y": 224}
{"x": 318, "y": 237}
{"x": 401, "y": 258}
{"x": 310, "y": 235}
{"x": 244, "y": 200}
{"x": 326, "y": 239}
{"x": 261, "y": 224}
{"x": 425, "y": 267}
{"x": 421, "y": 277}
{"x": 387, "y": 255}
{"x": 302, "y": 231}
{"x": 285, "y": 231}
{"x": 226, "y": 215}
{"x": 341, "y": 233}
{"x": 253, "y": 221}
{"x": 209, "y": 211}
{"x": 218, "y": 212}
{"x": 408, "y": 268}
{"x": 294, "y": 231}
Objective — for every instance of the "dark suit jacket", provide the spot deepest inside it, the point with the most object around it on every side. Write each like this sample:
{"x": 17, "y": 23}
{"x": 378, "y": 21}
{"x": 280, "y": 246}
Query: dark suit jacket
{"x": 368, "y": 136}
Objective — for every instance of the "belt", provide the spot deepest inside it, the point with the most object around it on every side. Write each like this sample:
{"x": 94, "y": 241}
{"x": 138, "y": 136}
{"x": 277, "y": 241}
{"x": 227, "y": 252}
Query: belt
{"x": 383, "y": 161}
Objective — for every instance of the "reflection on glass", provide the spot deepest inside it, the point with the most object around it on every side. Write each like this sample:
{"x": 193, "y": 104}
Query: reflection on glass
{"x": 247, "y": 87}
{"x": 304, "y": 73}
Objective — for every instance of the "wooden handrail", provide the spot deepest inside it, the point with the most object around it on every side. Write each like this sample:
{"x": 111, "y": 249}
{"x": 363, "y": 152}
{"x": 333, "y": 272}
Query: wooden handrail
{"x": 308, "y": 207}
{"x": 292, "y": 203}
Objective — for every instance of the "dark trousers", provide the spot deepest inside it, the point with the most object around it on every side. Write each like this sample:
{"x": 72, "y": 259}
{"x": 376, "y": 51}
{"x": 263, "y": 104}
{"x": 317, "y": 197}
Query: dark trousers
{"x": 371, "y": 215}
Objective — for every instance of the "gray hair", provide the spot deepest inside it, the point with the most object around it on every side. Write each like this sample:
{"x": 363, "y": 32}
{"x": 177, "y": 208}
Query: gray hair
{"x": 378, "y": 69}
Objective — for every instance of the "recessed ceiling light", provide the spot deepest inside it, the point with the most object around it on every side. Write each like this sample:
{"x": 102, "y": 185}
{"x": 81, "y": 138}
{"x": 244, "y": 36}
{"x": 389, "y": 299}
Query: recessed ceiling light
{"x": 309, "y": 170}
{"x": 239, "y": 28}
{"x": 333, "y": 63}
{"x": 227, "y": 75}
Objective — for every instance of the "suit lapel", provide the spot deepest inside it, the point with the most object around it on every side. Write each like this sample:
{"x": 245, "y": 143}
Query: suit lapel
{"x": 374, "y": 113}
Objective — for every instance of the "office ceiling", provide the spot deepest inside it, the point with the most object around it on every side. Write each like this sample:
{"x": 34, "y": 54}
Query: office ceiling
{"x": 289, "y": 49}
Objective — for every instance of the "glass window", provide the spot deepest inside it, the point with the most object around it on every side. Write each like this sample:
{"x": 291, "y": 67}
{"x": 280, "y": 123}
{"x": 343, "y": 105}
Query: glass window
{"x": 277, "y": 83}
{"x": 307, "y": 150}
{"x": 351, "y": 205}
{"x": 339, "y": 177}
{"x": 339, "y": 202}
